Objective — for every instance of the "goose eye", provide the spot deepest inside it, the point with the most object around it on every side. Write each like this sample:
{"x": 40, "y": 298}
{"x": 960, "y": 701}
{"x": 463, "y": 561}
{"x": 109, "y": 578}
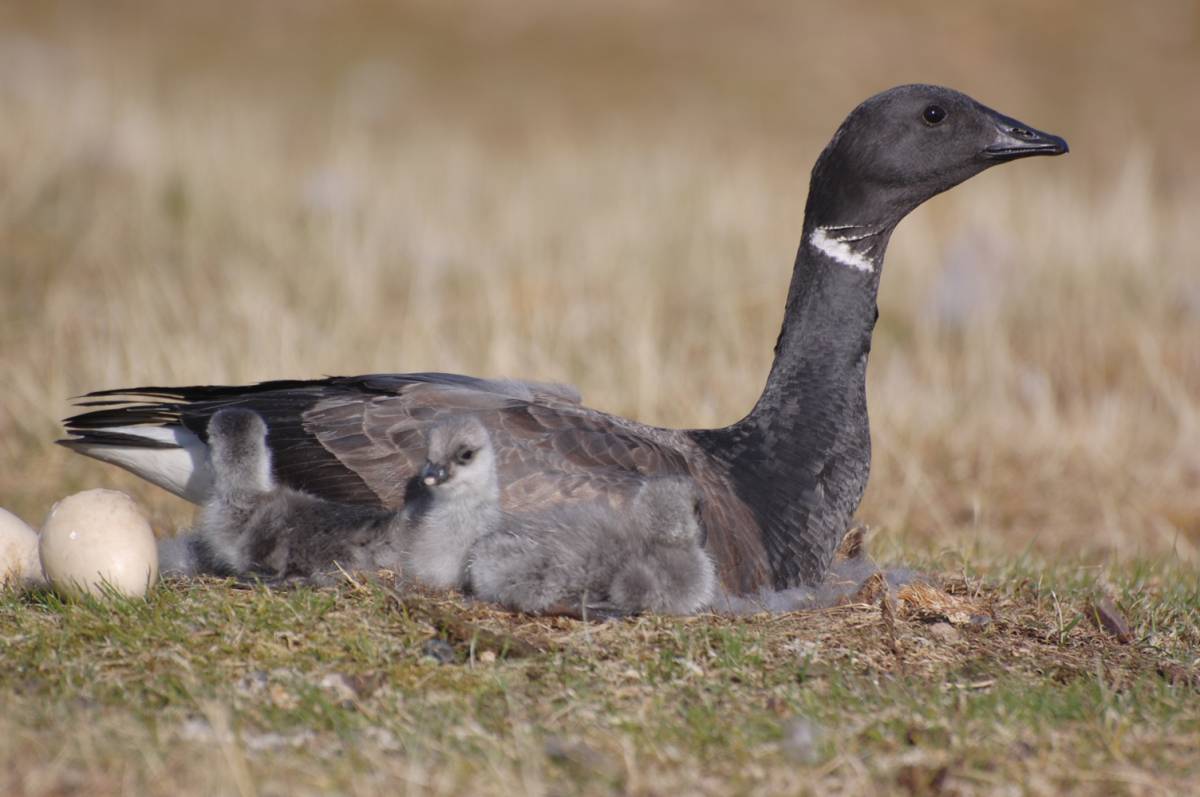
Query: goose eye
{"x": 465, "y": 455}
{"x": 933, "y": 114}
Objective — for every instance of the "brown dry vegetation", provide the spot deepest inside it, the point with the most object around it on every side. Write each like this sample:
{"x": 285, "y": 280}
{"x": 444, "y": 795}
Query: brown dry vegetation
{"x": 978, "y": 689}
{"x": 206, "y": 689}
{"x": 610, "y": 195}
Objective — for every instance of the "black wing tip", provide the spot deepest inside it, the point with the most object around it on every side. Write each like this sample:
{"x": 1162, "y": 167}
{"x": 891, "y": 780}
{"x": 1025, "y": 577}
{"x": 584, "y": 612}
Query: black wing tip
{"x": 144, "y": 391}
{"x": 159, "y": 405}
{"x": 88, "y": 438}
{"x": 183, "y": 405}
{"x": 125, "y": 415}
{"x": 194, "y": 393}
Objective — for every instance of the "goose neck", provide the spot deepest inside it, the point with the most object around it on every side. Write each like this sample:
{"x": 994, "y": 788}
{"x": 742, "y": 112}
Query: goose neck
{"x": 828, "y": 320}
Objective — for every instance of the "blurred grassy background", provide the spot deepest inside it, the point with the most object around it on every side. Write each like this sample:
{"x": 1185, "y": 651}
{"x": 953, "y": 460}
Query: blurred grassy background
{"x": 611, "y": 195}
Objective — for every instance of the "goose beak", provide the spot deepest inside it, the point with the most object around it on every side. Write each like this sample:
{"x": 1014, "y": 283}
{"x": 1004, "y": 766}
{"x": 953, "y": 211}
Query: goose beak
{"x": 1015, "y": 139}
{"x": 432, "y": 475}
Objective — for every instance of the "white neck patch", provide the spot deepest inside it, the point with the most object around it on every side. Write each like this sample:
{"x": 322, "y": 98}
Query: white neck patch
{"x": 826, "y": 241}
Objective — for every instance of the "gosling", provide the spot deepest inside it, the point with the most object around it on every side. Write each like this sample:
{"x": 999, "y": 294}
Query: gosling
{"x": 253, "y": 526}
{"x": 572, "y": 559}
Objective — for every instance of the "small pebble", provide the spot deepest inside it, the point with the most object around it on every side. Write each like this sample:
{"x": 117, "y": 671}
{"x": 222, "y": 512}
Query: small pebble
{"x": 253, "y": 683}
{"x": 439, "y": 650}
{"x": 582, "y": 755}
{"x": 800, "y": 738}
{"x": 943, "y": 632}
{"x": 281, "y": 698}
{"x": 339, "y": 688}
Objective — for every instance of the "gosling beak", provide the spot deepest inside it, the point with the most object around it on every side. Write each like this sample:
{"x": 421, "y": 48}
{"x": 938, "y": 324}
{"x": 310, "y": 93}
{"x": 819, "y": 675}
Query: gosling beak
{"x": 1015, "y": 139}
{"x": 432, "y": 475}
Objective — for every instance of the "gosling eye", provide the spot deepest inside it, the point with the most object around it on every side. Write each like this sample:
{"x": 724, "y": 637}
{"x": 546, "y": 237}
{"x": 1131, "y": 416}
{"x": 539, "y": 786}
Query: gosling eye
{"x": 465, "y": 455}
{"x": 933, "y": 114}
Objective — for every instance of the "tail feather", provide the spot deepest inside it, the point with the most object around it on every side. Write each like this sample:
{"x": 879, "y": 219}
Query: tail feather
{"x": 172, "y": 457}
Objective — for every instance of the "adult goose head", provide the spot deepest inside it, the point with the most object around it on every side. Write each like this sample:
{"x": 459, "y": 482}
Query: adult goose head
{"x": 777, "y": 489}
{"x": 903, "y": 146}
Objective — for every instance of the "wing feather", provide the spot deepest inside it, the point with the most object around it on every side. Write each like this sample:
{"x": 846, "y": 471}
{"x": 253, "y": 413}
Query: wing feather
{"x": 545, "y": 453}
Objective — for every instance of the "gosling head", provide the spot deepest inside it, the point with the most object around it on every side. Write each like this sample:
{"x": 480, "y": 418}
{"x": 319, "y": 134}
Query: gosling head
{"x": 236, "y": 432}
{"x": 460, "y": 458}
{"x": 669, "y": 508}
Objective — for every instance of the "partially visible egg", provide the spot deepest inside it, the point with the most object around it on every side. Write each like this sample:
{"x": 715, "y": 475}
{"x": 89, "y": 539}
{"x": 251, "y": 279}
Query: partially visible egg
{"x": 97, "y": 538}
{"x": 19, "y": 565}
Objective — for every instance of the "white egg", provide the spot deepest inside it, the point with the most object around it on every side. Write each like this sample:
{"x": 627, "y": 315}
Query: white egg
{"x": 19, "y": 565}
{"x": 97, "y": 538}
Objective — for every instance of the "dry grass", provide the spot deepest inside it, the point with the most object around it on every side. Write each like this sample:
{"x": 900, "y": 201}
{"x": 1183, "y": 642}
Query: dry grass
{"x": 206, "y": 690}
{"x": 611, "y": 196}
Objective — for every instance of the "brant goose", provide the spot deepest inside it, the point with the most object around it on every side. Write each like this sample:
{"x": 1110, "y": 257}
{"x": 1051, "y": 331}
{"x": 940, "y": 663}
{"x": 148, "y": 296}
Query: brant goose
{"x": 572, "y": 558}
{"x": 777, "y": 488}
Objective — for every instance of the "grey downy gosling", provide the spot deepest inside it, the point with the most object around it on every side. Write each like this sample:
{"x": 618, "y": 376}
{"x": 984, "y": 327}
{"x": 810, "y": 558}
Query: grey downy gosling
{"x": 252, "y": 525}
{"x": 574, "y": 558}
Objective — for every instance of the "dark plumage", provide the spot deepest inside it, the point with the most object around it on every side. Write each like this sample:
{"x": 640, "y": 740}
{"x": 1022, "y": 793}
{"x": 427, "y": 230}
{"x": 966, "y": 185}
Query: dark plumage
{"x": 778, "y": 488}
